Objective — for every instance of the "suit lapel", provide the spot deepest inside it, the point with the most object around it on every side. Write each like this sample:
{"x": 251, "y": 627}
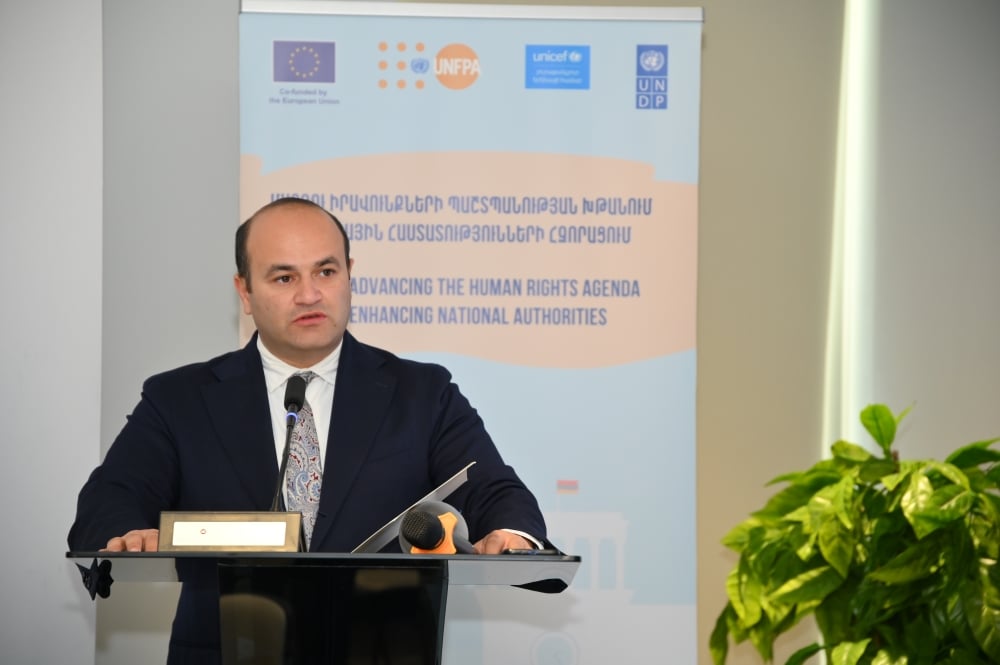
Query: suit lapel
{"x": 240, "y": 414}
{"x": 361, "y": 397}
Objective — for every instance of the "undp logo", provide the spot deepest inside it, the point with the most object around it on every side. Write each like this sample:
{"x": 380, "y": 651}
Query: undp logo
{"x": 651, "y": 77}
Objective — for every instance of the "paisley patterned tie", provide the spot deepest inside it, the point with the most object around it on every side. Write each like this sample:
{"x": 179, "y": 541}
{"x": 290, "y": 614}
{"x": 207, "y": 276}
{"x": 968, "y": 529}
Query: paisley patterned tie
{"x": 305, "y": 473}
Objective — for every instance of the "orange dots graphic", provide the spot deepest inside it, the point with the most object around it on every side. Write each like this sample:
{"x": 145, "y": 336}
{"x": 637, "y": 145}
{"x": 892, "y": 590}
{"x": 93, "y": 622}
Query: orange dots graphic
{"x": 402, "y": 65}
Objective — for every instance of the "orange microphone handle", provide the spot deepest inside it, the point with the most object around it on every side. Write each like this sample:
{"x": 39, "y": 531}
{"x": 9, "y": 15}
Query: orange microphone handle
{"x": 447, "y": 543}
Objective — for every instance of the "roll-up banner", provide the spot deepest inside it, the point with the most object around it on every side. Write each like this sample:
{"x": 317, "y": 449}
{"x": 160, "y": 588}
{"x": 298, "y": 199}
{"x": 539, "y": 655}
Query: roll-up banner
{"x": 520, "y": 187}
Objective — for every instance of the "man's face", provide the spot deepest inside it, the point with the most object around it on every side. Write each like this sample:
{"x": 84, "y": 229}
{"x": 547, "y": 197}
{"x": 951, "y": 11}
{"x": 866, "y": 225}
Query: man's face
{"x": 301, "y": 297}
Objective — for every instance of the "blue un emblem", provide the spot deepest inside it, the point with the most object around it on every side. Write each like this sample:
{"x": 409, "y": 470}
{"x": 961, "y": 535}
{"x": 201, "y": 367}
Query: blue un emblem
{"x": 651, "y": 76}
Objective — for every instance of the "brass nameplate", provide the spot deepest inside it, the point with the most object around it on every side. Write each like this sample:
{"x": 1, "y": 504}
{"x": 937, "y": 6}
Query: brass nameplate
{"x": 229, "y": 531}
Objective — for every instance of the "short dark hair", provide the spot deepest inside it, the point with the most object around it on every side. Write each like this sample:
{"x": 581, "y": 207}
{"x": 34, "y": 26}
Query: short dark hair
{"x": 243, "y": 231}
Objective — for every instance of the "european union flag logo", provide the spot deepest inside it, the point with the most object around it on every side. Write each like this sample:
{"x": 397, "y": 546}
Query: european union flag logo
{"x": 304, "y": 62}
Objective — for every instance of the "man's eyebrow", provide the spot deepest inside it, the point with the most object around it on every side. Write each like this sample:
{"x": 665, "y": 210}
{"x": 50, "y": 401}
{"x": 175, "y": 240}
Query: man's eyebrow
{"x": 279, "y": 267}
{"x": 286, "y": 267}
{"x": 328, "y": 260}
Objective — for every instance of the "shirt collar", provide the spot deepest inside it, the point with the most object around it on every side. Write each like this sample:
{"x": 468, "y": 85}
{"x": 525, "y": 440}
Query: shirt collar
{"x": 277, "y": 371}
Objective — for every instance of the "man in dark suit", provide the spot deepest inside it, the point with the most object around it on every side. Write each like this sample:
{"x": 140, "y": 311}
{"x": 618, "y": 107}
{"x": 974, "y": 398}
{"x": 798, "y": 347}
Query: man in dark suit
{"x": 209, "y": 436}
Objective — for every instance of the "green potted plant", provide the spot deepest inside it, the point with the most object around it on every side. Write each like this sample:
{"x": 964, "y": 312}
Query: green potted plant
{"x": 896, "y": 560}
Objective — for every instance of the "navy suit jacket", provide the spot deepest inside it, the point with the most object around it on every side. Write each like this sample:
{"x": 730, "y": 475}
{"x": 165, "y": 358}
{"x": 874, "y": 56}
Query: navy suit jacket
{"x": 201, "y": 439}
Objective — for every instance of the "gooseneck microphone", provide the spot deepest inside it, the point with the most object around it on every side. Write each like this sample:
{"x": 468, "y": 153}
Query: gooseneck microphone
{"x": 428, "y": 532}
{"x": 295, "y": 397}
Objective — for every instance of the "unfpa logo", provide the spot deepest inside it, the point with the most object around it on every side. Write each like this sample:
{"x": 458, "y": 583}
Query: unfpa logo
{"x": 456, "y": 66}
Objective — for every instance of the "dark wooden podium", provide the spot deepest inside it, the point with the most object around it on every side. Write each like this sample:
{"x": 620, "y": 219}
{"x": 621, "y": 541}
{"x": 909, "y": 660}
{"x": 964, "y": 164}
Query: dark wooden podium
{"x": 336, "y": 609}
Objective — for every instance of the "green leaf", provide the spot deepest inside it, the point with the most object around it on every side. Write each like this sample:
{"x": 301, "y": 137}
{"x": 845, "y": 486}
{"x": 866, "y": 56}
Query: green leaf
{"x": 981, "y": 602}
{"x": 718, "y": 642}
{"x": 884, "y": 658}
{"x": 834, "y": 616}
{"x": 881, "y": 424}
{"x": 906, "y": 470}
{"x": 941, "y": 507}
{"x": 762, "y": 637}
{"x": 994, "y": 476}
{"x": 841, "y": 498}
{"x": 927, "y": 509}
{"x": 978, "y": 482}
{"x": 916, "y": 562}
{"x": 739, "y": 535}
{"x": 798, "y": 493}
{"x": 919, "y": 638}
{"x": 848, "y": 653}
{"x": 815, "y": 584}
{"x": 949, "y": 471}
{"x": 819, "y": 468}
{"x": 850, "y": 452}
{"x": 960, "y": 656}
{"x": 800, "y": 514}
{"x": 803, "y": 654}
{"x": 984, "y": 525}
{"x": 744, "y": 591}
{"x": 837, "y": 545}
{"x": 737, "y": 630}
{"x": 875, "y": 469}
{"x": 974, "y": 454}
{"x": 790, "y": 477}
{"x": 808, "y": 549}
{"x": 775, "y": 562}
{"x": 917, "y": 497}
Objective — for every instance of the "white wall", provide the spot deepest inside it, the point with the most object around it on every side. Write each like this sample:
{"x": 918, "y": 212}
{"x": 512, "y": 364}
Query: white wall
{"x": 50, "y": 337}
{"x": 936, "y": 222}
{"x": 171, "y": 198}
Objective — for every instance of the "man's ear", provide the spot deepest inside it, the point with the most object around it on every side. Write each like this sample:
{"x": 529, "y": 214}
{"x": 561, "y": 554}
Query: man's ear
{"x": 243, "y": 292}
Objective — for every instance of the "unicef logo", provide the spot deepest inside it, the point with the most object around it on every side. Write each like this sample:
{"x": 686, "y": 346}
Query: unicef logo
{"x": 651, "y": 60}
{"x": 575, "y": 56}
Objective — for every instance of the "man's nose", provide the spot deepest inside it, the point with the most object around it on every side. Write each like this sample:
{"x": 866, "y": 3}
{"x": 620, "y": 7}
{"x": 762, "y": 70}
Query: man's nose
{"x": 308, "y": 292}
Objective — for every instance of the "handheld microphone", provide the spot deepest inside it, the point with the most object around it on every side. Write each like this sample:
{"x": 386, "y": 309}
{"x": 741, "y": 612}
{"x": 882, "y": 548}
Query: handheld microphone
{"x": 295, "y": 397}
{"x": 434, "y": 527}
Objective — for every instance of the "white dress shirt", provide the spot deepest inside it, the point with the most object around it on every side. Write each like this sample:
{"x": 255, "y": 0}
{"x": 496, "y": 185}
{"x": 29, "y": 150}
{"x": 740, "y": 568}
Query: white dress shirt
{"x": 319, "y": 394}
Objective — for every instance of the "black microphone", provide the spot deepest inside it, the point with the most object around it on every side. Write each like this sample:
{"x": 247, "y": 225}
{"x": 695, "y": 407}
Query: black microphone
{"x": 295, "y": 397}
{"x": 434, "y": 528}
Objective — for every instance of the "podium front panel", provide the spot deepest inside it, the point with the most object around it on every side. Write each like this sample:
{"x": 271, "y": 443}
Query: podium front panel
{"x": 355, "y": 613}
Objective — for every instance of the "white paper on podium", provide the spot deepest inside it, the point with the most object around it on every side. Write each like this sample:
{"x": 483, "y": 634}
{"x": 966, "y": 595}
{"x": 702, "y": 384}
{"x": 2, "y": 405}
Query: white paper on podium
{"x": 384, "y": 536}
